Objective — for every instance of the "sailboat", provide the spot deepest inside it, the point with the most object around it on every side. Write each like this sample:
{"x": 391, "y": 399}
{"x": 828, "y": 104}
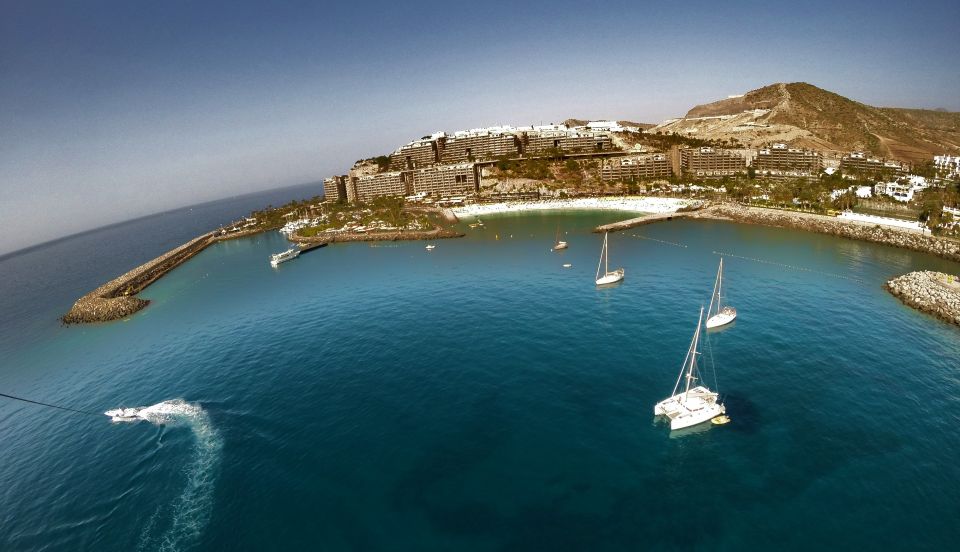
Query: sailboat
{"x": 722, "y": 315}
{"x": 696, "y": 404}
{"x": 608, "y": 277}
{"x": 558, "y": 245}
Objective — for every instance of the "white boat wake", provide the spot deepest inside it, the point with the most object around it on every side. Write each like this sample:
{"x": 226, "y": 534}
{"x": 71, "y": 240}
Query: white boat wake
{"x": 190, "y": 512}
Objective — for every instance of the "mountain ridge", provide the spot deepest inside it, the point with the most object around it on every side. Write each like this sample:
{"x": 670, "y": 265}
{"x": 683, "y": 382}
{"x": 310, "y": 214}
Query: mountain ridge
{"x": 807, "y": 116}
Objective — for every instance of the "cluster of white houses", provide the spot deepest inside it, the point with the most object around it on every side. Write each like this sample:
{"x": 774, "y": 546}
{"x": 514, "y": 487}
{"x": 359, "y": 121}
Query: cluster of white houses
{"x": 450, "y": 165}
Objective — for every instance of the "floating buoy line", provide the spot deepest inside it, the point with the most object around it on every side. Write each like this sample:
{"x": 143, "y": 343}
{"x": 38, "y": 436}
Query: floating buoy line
{"x": 659, "y": 241}
{"x": 791, "y": 267}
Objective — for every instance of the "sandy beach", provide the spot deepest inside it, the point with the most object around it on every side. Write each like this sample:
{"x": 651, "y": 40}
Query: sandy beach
{"x": 636, "y": 204}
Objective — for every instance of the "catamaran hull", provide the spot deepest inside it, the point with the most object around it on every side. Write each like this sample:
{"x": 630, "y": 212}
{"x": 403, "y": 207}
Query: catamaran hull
{"x": 610, "y": 278}
{"x": 697, "y": 418}
{"x": 689, "y": 409}
{"x": 721, "y": 319}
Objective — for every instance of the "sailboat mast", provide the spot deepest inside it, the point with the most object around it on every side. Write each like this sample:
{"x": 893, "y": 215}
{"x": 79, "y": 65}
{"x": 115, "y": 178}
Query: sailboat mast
{"x": 716, "y": 284}
{"x": 606, "y": 256}
{"x": 602, "y": 251}
{"x": 719, "y": 284}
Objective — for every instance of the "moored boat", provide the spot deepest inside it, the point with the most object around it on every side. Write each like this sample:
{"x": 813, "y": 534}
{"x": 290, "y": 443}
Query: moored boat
{"x": 697, "y": 403}
{"x": 284, "y": 256}
{"x": 717, "y": 314}
{"x": 608, "y": 277}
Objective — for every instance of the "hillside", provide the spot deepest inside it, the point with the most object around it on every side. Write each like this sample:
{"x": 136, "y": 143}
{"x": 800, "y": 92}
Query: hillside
{"x": 806, "y": 116}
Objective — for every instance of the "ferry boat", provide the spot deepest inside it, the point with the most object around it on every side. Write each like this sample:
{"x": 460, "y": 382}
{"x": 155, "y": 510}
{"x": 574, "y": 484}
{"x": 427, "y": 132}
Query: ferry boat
{"x": 283, "y": 257}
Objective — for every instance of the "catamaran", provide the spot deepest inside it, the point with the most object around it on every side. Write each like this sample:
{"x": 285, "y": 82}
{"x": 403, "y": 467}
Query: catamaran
{"x": 283, "y": 257}
{"x": 696, "y": 404}
{"x": 558, "y": 245}
{"x": 608, "y": 277}
{"x": 722, "y": 315}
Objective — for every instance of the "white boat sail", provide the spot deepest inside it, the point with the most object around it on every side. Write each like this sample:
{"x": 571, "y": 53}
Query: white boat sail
{"x": 558, "y": 245}
{"x": 717, "y": 314}
{"x": 608, "y": 277}
{"x": 283, "y": 257}
{"x": 696, "y": 404}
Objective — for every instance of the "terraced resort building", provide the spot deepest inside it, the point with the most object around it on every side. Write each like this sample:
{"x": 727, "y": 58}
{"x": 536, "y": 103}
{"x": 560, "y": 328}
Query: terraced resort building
{"x": 711, "y": 162}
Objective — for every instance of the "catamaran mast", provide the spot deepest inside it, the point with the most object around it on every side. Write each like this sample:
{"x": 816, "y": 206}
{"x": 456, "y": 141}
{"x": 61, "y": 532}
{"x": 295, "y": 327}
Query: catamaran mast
{"x": 690, "y": 359}
{"x": 693, "y": 353}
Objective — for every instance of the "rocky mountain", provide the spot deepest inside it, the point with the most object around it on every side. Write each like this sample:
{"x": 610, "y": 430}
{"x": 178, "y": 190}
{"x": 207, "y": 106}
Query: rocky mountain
{"x": 806, "y": 116}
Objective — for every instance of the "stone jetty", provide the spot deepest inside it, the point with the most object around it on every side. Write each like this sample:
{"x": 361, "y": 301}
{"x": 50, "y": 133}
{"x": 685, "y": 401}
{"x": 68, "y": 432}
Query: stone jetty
{"x": 640, "y": 221}
{"x": 935, "y": 293}
{"x": 117, "y": 298}
{"x": 342, "y": 237}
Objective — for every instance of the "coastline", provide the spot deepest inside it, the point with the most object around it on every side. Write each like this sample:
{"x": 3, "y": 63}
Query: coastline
{"x": 117, "y": 298}
{"x": 934, "y": 293}
{"x": 823, "y": 224}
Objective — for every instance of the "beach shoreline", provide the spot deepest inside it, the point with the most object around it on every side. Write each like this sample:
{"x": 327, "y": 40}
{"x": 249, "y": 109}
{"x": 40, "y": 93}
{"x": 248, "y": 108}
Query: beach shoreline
{"x": 635, "y": 204}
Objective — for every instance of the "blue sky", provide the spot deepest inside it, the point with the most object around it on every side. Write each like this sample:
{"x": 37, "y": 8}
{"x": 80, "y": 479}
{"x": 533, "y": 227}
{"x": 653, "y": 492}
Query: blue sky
{"x": 113, "y": 110}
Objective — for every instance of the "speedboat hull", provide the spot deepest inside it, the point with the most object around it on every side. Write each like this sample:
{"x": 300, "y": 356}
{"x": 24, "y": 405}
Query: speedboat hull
{"x": 722, "y": 318}
{"x": 124, "y": 414}
{"x": 610, "y": 277}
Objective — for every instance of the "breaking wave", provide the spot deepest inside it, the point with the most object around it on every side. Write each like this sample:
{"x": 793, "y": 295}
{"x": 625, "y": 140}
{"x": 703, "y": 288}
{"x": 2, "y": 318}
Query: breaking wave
{"x": 190, "y": 512}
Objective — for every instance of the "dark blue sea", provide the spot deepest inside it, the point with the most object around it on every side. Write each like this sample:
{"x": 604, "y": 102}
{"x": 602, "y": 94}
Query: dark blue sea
{"x": 476, "y": 397}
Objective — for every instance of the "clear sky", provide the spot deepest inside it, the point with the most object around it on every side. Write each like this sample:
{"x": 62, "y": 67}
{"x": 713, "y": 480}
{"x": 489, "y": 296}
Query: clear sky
{"x": 113, "y": 110}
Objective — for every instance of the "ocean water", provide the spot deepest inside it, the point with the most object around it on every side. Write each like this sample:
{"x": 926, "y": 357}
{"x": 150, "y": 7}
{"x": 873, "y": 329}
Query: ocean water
{"x": 481, "y": 396}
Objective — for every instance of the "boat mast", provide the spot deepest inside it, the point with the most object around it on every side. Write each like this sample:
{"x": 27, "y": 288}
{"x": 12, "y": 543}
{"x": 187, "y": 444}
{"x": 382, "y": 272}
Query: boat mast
{"x": 693, "y": 353}
{"x": 602, "y": 251}
{"x": 690, "y": 358}
{"x": 719, "y": 285}
{"x": 716, "y": 291}
{"x": 606, "y": 255}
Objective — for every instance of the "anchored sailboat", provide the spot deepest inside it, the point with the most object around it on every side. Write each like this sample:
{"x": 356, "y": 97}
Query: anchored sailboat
{"x": 722, "y": 315}
{"x": 696, "y": 404}
{"x": 558, "y": 245}
{"x": 608, "y": 277}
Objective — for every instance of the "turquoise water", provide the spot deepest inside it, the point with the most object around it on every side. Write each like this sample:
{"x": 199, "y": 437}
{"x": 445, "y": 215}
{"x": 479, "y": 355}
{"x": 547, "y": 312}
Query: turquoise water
{"x": 482, "y": 397}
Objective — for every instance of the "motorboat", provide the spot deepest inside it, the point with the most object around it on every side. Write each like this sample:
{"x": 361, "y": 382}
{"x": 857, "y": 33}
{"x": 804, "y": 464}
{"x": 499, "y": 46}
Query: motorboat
{"x": 284, "y": 256}
{"x": 124, "y": 414}
{"x": 430, "y": 247}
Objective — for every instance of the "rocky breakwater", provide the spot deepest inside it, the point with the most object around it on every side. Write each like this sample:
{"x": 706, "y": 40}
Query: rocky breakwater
{"x": 935, "y": 293}
{"x": 117, "y": 298}
{"x": 339, "y": 237}
{"x": 907, "y": 239}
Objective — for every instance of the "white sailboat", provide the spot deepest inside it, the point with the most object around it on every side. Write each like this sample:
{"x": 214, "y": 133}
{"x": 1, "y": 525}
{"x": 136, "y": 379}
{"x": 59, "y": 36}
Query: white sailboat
{"x": 696, "y": 404}
{"x": 608, "y": 277}
{"x": 722, "y": 315}
{"x": 558, "y": 245}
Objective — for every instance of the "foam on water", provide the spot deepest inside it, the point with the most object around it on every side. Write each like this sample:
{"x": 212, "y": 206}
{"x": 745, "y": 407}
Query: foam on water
{"x": 189, "y": 513}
